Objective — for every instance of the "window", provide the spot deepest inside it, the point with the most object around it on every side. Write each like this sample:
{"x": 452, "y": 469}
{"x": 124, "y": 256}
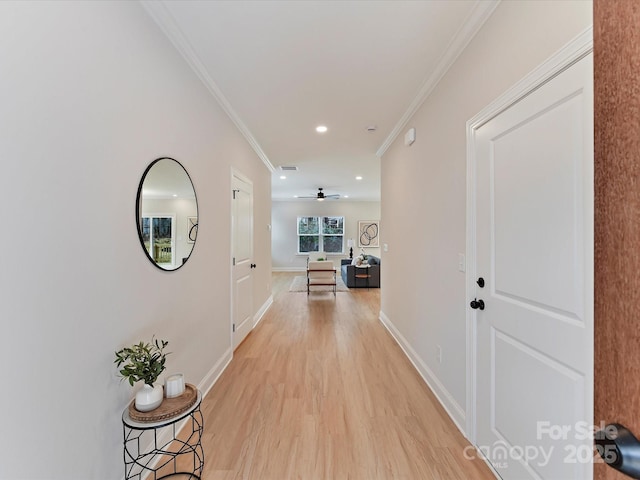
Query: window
{"x": 158, "y": 236}
{"x": 321, "y": 234}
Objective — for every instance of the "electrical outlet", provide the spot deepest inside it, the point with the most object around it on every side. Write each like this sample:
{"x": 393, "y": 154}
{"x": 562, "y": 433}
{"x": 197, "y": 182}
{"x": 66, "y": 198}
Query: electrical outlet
{"x": 439, "y": 353}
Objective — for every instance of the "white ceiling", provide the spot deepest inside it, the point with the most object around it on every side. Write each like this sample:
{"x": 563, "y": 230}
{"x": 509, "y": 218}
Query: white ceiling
{"x": 167, "y": 179}
{"x": 280, "y": 68}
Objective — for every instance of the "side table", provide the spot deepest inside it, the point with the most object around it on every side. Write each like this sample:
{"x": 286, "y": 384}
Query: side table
{"x": 362, "y": 271}
{"x": 152, "y": 449}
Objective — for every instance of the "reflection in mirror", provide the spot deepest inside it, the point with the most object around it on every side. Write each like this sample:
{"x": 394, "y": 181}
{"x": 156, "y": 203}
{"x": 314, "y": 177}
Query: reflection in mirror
{"x": 167, "y": 214}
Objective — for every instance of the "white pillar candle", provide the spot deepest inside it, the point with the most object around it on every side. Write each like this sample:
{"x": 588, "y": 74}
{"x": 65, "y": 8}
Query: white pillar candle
{"x": 174, "y": 385}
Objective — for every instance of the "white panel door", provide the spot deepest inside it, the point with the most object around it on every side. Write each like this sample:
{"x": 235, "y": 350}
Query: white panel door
{"x": 242, "y": 228}
{"x": 534, "y": 214}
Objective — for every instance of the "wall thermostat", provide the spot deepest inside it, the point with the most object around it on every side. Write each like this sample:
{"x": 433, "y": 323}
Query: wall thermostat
{"x": 410, "y": 136}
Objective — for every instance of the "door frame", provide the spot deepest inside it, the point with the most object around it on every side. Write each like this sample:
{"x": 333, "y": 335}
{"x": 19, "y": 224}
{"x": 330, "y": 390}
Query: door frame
{"x": 571, "y": 53}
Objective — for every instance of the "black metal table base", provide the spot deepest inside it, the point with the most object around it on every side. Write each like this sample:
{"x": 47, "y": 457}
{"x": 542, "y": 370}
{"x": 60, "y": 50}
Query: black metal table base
{"x": 149, "y": 455}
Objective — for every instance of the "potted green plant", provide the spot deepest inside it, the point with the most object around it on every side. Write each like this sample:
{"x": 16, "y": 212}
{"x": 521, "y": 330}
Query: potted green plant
{"x": 144, "y": 362}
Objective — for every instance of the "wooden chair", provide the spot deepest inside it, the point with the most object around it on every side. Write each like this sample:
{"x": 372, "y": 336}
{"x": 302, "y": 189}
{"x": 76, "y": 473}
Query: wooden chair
{"x": 321, "y": 274}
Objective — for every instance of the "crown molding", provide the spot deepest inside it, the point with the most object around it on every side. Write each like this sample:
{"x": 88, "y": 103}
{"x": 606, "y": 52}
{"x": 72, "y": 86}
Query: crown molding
{"x": 161, "y": 15}
{"x": 476, "y": 19}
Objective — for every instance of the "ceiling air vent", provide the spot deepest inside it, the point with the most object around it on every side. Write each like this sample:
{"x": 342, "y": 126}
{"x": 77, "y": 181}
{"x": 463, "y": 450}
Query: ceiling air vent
{"x": 288, "y": 168}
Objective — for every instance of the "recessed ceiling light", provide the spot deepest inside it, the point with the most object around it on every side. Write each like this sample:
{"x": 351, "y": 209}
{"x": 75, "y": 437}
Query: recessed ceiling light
{"x": 321, "y": 128}
{"x": 175, "y": 194}
{"x": 358, "y": 177}
{"x": 283, "y": 177}
{"x": 346, "y": 196}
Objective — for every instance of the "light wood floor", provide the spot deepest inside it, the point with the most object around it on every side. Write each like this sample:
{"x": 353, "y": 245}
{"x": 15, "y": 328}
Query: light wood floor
{"x": 321, "y": 391}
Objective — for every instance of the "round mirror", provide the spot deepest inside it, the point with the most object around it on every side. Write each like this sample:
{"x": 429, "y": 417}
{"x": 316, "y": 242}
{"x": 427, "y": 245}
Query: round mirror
{"x": 167, "y": 214}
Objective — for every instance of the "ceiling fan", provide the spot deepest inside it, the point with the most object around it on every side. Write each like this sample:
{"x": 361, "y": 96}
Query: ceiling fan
{"x": 320, "y": 196}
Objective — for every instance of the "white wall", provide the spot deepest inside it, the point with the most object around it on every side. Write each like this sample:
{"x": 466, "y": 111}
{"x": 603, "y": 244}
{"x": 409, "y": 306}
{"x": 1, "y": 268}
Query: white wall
{"x": 90, "y": 94}
{"x": 284, "y": 235}
{"x": 424, "y": 294}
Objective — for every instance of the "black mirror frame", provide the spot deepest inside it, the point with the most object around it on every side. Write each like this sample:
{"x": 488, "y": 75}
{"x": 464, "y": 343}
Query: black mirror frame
{"x": 139, "y": 214}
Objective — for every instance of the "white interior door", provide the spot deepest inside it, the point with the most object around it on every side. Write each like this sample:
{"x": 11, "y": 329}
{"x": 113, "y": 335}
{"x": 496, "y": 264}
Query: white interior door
{"x": 534, "y": 250}
{"x": 242, "y": 228}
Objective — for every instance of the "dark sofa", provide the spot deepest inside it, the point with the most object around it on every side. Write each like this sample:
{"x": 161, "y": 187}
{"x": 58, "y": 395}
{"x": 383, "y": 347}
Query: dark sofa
{"x": 348, "y": 272}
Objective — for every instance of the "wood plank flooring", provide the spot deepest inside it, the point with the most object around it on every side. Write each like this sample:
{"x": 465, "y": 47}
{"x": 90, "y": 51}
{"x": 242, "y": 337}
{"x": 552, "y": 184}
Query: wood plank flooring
{"x": 321, "y": 391}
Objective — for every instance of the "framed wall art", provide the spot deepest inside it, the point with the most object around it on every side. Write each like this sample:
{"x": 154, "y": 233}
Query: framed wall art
{"x": 192, "y": 229}
{"x": 368, "y": 233}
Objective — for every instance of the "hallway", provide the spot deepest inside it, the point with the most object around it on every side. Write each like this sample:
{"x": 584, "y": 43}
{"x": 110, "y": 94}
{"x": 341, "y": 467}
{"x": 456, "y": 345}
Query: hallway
{"x": 320, "y": 390}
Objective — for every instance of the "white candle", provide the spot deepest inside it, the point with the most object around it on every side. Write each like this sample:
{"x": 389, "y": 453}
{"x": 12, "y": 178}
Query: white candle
{"x": 174, "y": 385}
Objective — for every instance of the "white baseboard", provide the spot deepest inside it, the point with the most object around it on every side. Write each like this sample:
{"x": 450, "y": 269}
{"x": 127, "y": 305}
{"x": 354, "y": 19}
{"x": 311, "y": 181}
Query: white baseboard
{"x": 212, "y": 376}
{"x": 262, "y": 310}
{"x": 453, "y": 409}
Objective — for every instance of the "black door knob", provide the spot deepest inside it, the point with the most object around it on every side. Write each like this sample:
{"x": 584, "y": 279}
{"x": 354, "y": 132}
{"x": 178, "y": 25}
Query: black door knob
{"x": 475, "y": 304}
{"x": 253, "y": 265}
{"x": 480, "y": 282}
{"x": 619, "y": 449}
